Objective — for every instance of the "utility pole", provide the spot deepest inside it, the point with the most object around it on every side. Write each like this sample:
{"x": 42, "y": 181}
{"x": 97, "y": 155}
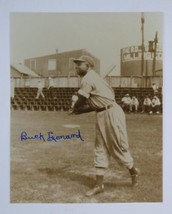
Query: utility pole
{"x": 142, "y": 46}
{"x": 154, "y": 58}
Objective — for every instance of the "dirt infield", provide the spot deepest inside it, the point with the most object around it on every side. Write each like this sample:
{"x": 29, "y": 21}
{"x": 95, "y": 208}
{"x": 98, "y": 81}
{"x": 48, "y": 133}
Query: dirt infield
{"x": 57, "y": 166}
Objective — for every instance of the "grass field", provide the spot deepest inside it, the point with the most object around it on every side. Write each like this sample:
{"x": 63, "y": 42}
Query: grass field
{"x": 61, "y": 172}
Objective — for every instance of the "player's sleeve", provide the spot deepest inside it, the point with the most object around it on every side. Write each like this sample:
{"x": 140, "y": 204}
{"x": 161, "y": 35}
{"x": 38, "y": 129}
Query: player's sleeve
{"x": 85, "y": 90}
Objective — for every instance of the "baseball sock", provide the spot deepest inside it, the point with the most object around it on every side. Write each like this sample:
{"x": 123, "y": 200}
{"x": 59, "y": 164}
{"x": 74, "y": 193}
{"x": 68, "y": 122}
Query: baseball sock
{"x": 99, "y": 180}
{"x": 133, "y": 171}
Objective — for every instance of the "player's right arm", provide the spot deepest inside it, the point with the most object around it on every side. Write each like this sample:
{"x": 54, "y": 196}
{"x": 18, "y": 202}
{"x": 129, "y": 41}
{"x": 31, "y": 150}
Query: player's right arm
{"x": 81, "y": 104}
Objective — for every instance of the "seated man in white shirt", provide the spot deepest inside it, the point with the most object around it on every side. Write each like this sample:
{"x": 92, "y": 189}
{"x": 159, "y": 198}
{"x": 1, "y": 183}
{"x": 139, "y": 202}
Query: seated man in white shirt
{"x": 147, "y": 105}
{"x": 134, "y": 103}
{"x": 126, "y": 101}
{"x": 156, "y": 105}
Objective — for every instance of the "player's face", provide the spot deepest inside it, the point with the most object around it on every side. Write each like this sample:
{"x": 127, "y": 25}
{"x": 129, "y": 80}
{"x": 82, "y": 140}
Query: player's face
{"x": 81, "y": 68}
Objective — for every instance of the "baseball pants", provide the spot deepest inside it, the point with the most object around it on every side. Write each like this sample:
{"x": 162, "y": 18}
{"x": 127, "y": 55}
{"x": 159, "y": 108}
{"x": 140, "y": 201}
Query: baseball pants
{"x": 111, "y": 139}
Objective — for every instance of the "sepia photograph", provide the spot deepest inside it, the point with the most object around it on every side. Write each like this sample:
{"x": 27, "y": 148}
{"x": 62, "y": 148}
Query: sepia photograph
{"x": 86, "y": 107}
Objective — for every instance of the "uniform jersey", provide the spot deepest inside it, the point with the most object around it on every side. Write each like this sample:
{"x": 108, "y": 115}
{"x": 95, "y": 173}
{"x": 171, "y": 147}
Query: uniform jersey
{"x": 126, "y": 100}
{"x": 156, "y": 101}
{"x": 134, "y": 101}
{"x": 147, "y": 102}
{"x": 96, "y": 90}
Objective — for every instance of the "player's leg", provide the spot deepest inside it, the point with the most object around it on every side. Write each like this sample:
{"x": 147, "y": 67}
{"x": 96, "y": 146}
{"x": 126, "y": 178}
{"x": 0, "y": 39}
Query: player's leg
{"x": 136, "y": 107}
{"x": 38, "y": 93}
{"x": 121, "y": 151}
{"x": 115, "y": 137}
{"x": 101, "y": 163}
{"x": 41, "y": 93}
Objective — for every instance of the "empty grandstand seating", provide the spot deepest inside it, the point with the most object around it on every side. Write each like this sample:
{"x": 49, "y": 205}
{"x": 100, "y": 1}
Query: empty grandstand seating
{"x": 59, "y": 99}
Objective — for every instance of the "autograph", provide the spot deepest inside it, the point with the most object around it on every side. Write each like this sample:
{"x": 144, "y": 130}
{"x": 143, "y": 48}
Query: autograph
{"x": 50, "y": 136}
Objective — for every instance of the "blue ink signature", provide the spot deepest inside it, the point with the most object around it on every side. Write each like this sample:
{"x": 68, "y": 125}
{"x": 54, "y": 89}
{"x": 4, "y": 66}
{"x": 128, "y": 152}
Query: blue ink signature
{"x": 50, "y": 136}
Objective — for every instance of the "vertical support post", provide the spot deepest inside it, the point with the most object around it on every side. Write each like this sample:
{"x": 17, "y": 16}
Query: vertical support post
{"x": 142, "y": 46}
{"x": 154, "y": 58}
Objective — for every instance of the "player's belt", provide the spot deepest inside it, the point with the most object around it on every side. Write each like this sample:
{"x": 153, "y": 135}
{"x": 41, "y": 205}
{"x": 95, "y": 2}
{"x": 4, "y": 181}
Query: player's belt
{"x": 104, "y": 108}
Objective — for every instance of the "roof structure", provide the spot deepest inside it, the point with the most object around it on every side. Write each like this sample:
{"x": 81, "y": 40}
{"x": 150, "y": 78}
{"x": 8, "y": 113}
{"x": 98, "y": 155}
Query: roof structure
{"x": 24, "y": 70}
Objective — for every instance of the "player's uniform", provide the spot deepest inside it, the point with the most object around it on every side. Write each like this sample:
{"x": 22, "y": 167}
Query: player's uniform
{"x": 111, "y": 135}
{"x": 40, "y": 90}
{"x": 134, "y": 103}
{"x": 126, "y": 101}
{"x": 147, "y": 105}
{"x": 156, "y": 104}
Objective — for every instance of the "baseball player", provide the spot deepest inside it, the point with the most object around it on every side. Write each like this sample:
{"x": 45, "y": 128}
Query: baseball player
{"x": 156, "y": 104}
{"x": 126, "y": 102}
{"x": 111, "y": 137}
{"x": 155, "y": 88}
{"x": 134, "y": 103}
{"x": 40, "y": 90}
{"x": 147, "y": 105}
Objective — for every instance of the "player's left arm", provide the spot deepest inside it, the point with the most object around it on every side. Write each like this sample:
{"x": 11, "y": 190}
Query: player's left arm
{"x": 80, "y": 105}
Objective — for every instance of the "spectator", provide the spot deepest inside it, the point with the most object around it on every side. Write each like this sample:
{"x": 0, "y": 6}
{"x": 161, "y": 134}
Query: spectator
{"x": 156, "y": 105}
{"x": 40, "y": 90}
{"x": 134, "y": 103}
{"x": 126, "y": 101}
{"x": 147, "y": 105}
{"x": 155, "y": 88}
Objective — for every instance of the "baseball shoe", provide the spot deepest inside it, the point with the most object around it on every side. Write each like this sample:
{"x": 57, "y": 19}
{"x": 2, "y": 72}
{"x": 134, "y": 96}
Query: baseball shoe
{"x": 134, "y": 178}
{"x": 95, "y": 190}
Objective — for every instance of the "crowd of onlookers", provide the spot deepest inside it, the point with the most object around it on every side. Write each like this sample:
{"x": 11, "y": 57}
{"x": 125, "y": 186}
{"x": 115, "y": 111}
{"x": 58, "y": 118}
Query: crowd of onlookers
{"x": 147, "y": 104}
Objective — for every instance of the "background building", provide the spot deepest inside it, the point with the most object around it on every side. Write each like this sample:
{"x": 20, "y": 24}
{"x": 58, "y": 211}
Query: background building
{"x": 131, "y": 58}
{"x": 19, "y": 70}
{"x": 59, "y": 64}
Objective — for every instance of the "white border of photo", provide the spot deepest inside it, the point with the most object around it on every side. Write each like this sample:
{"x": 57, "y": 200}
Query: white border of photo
{"x": 7, "y": 6}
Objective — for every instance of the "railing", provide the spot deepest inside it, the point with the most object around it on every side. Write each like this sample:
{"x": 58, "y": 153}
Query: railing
{"x": 74, "y": 81}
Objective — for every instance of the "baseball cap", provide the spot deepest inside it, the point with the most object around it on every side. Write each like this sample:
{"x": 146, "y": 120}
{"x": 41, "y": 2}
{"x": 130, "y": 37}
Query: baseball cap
{"x": 85, "y": 58}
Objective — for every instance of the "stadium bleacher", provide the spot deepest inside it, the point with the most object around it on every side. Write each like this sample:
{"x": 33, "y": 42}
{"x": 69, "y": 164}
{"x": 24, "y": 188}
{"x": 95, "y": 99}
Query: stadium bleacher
{"x": 59, "y": 99}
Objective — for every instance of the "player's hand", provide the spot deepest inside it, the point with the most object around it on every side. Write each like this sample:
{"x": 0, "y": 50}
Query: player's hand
{"x": 70, "y": 111}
